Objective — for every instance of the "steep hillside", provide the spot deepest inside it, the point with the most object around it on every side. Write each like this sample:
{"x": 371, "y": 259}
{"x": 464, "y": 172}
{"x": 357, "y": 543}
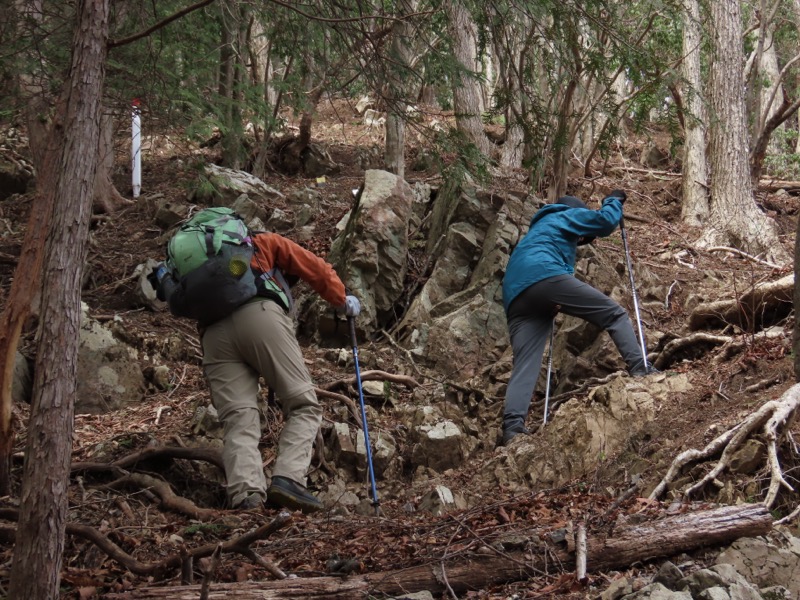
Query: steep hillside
{"x": 493, "y": 499}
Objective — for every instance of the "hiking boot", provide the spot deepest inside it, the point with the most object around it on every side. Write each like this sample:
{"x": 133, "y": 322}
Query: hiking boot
{"x": 642, "y": 372}
{"x": 512, "y": 432}
{"x": 289, "y": 494}
{"x": 251, "y": 502}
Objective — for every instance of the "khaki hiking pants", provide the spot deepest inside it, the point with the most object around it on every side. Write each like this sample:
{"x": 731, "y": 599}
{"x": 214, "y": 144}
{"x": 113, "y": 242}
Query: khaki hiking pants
{"x": 259, "y": 339}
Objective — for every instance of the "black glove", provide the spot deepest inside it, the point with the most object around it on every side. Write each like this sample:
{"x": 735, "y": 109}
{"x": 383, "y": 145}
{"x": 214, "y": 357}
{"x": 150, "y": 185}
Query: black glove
{"x": 620, "y": 194}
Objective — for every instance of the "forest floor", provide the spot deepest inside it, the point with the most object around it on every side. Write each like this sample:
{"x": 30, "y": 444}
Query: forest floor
{"x": 316, "y": 545}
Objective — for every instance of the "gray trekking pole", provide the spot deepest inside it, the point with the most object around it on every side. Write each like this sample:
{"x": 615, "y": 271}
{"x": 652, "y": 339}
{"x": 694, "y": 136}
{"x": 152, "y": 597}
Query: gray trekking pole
{"x": 549, "y": 371}
{"x": 375, "y": 502}
{"x": 633, "y": 290}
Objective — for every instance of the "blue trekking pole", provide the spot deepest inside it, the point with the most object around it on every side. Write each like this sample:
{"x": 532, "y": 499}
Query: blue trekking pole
{"x": 375, "y": 502}
{"x": 633, "y": 291}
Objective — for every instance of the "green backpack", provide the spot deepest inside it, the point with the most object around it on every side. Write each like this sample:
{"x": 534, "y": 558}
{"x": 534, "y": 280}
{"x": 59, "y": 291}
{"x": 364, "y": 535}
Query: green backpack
{"x": 209, "y": 257}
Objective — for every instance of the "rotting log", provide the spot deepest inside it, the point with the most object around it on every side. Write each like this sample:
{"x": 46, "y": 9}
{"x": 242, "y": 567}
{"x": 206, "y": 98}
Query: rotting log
{"x": 748, "y": 310}
{"x": 646, "y": 541}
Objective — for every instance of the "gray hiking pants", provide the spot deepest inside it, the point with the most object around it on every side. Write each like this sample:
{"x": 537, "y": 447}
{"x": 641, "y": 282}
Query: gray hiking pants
{"x": 530, "y": 319}
{"x": 259, "y": 339}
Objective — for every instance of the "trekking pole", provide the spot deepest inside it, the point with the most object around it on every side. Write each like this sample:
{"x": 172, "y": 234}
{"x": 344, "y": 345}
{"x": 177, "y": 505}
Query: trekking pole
{"x": 633, "y": 290}
{"x": 549, "y": 370}
{"x": 375, "y": 502}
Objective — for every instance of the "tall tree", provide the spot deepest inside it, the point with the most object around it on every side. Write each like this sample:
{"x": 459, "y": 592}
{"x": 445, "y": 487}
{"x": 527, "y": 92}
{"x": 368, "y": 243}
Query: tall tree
{"x": 67, "y": 183}
{"x": 694, "y": 208}
{"x": 467, "y": 94}
{"x": 735, "y": 219}
{"x": 398, "y": 88}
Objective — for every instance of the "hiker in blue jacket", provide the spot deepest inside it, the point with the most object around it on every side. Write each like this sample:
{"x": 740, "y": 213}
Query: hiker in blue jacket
{"x": 539, "y": 282}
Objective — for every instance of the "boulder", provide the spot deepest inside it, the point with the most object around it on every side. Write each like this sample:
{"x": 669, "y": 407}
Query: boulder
{"x": 109, "y": 375}
{"x": 766, "y": 562}
{"x": 371, "y": 254}
{"x": 441, "y": 500}
{"x": 439, "y": 447}
{"x": 586, "y": 433}
{"x": 224, "y": 186}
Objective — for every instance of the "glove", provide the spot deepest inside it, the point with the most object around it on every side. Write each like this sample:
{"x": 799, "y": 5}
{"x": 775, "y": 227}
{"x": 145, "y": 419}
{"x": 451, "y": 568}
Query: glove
{"x": 156, "y": 275}
{"x": 351, "y": 307}
{"x": 619, "y": 194}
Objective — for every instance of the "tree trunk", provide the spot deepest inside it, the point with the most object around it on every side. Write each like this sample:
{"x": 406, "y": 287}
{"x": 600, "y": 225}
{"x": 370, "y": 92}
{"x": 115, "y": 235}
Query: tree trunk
{"x": 106, "y": 196}
{"x": 668, "y": 537}
{"x": 467, "y": 95}
{"x": 231, "y": 68}
{"x": 398, "y": 89}
{"x": 796, "y": 295}
{"x": 735, "y": 220}
{"x": 694, "y": 208}
{"x": 66, "y": 183}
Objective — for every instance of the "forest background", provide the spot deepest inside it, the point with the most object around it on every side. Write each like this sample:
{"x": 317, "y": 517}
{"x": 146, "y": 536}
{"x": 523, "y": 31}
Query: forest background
{"x": 546, "y": 91}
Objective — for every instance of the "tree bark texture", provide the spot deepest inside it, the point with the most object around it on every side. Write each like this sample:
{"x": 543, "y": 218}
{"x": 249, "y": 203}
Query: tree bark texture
{"x": 398, "y": 88}
{"x": 694, "y": 209}
{"x": 67, "y": 184}
{"x": 670, "y": 536}
{"x": 467, "y": 95}
{"x": 735, "y": 219}
{"x": 796, "y": 298}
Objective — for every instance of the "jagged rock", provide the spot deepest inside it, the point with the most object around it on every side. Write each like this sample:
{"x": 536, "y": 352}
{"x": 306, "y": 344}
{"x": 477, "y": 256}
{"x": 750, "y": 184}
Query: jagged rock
{"x": 341, "y": 443}
{"x": 766, "y": 562}
{"x": 169, "y": 213}
{"x": 749, "y": 458}
{"x": 425, "y": 595}
{"x": 668, "y": 575}
{"x": 720, "y": 582}
{"x": 617, "y": 589}
{"x": 280, "y": 220}
{"x": 372, "y": 252}
{"x": 373, "y": 388}
{"x": 306, "y": 204}
{"x": 160, "y": 377}
{"x": 439, "y": 447}
{"x": 109, "y": 375}
{"x": 586, "y": 433}
{"x": 205, "y": 421}
{"x": 249, "y": 210}
{"x": 656, "y": 591}
{"x": 363, "y": 104}
{"x": 384, "y": 449}
{"x": 229, "y": 184}
{"x": 441, "y": 500}
{"x": 373, "y": 118}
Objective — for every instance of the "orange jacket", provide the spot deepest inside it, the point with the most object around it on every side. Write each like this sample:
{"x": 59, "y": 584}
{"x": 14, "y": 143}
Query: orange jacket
{"x": 273, "y": 250}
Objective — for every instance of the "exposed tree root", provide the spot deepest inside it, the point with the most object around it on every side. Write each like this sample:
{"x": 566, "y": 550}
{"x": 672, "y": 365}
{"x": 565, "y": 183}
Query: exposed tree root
{"x": 747, "y": 310}
{"x": 773, "y": 418}
{"x": 172, "y": 563}
{"x": 131, "y": 460}
{"x": 169, "y": 499}
{"x": 664, "y": 358}
{"x": 407, "y": 381}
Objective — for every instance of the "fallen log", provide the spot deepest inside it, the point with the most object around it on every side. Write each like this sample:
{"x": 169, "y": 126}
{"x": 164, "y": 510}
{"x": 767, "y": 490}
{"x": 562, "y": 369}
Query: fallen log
{"x": 646, "y": 541}
{"x": 749, "y": 310}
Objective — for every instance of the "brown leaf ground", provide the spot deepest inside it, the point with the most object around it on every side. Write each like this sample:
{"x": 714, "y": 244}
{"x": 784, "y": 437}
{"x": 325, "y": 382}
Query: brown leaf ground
{"x": 309, "y": 547}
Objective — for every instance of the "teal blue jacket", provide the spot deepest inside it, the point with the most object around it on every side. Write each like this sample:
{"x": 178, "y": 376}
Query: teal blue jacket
{"x": 548, "y": 249}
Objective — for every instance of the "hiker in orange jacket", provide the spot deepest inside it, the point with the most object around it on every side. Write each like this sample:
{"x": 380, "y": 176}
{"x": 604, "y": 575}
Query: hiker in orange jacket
{"x": 258, "y": 339}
